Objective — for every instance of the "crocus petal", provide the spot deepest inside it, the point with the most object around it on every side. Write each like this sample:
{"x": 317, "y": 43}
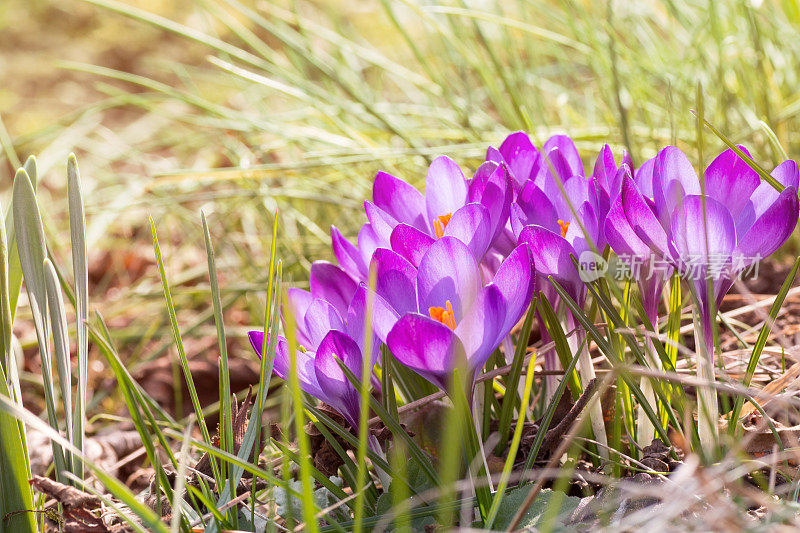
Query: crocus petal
{"x": 515, "y": 280}
{"x": 731, "y": 181}
{"x": 410, "y": 243}
{"x": 448, "y": 272}
{"x": 426, "y": 346}
{"x": 395, "y": 280}
{"x": 520, "y": 155}
{"x": 566, "y": 148}
{"x": 771, "y": 230}
{"x": 621, "y": 236}
{"x": 643, "y": 177}
{"x": 368, "y": 242}
{"x": 551, "y": 257}
{"x": 320, "y": 318}
{"x": 673, "y": 178}
{"x": 471, "y": 225}
{"x": 533, "y": 207}
{"x": 305, "y": 363}
{"x": 256, "y": 339}
{"x": 382, "y": 320}
{"x": 643, "y": 220}
{"x": 298, "y": 301}
{"x": 491, "y": 187}
{"x": 703, "y": 232}
{"x": 382, "y": 223}
{"x": 704, "y": 237}
{"x": 579, "y": 190}
{"x": 494, "y": 155}
{"x": 605, "y": 168}
{"x": 339, "y": 391}
{"x": 445, "y": 188}
{"x": 479, "y": 331}
{"x": 583, "y": 232}
{"x": 401, "y": 200}
{"x": 787, "y": 174}
{"x": 331, "y": 283}
{"x": 347, "y": 255}
{"x": 765, "y": 195}
{"x": 554, "y": 170}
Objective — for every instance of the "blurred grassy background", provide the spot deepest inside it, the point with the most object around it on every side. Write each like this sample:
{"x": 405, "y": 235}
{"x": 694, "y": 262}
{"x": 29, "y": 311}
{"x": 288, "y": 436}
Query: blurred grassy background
{"x": 242, "y": 108}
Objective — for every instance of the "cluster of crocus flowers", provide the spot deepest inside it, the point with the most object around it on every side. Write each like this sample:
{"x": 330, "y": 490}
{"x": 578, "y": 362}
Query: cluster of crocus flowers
{"x": 709, "y": 230}
{"x": 450, "y": 271}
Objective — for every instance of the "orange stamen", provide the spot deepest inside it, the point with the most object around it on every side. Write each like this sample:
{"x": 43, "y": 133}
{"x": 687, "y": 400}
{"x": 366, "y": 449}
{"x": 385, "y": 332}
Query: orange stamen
{"x": 564, "y": 227}
{"x": 445, "y": 316}
{"x": 440, "y": 223}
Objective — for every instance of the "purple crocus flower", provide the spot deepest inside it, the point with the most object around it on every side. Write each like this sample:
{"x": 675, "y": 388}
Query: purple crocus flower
{"x": 474, "y": 212}
{"x": 446, "y": 313}
{"x": 324, "y": 333}
{"x": 709, "y": 232}
{"x": 552, "y": 191}
{"x": 526, "y": 163}
{"x": 709, "y": 237}
{"x": 650, "y": 275}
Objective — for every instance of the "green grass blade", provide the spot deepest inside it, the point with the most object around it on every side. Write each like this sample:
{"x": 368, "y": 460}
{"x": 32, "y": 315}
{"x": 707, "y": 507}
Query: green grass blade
{"x": 606, "y": 349}
{"x": 761, "y": 341}
{"x": 510, "y": 398}
{"x": 14, "y": 266}
{"x": 32, "y": 253}
{"x": 198, "y": 410}
{"x": 16, "y": 498}
{"x": 309, "y": 507}
{"x": 512, "y": 453}
{"x": 226, "y": 422}
{"x": 561, "y": 345}
{"x": 549, "y": 412}
{"x": 364, "y": 396}
{"x": 81, "y": 275}
{"x": 114, "y": 486}
{"x": 6, "y": 333}
{"x": 746, "y": 158}
{"x": 58, "y": 325}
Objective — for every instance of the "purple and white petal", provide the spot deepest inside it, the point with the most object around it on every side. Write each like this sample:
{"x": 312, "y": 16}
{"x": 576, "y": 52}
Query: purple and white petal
{"x": 368, "y": 242}
{"x": 704, "y": 235}
{"x": 298, "y": 301}
{"x": 491, "y": 187}
{"x": 331, "y": 283}
{"x": 770, "y": 230}
{"x": 381, "y": 222}
{"x": 472, "y": 226}
{"x": 347, "y": 255}
{"x": 382, "y": 320}
{"x": 534, "y": 207}
{"x": 521, "y": 156}
{"x": 731, "y": 181}
{"x": 448, "y": 272}
{"x": 445, "y": 188}
{"x": 643, "y": 220}
{"x": 673, "y": 179}
{"x": 320, "y": 318}
{"x": 410, "y": 243}
{"x": 337, "y": 388}
{"x": 426, "y": 346}
{"x": 566, "y": 147}
{"x": 551, "y": 257}
{"x": 401, "y": 200}
{"x": 480, "y": 329}
{"x": 515, "y": 280}
{"x": 395, "y": 280}
{"x": 305, "y": 363}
